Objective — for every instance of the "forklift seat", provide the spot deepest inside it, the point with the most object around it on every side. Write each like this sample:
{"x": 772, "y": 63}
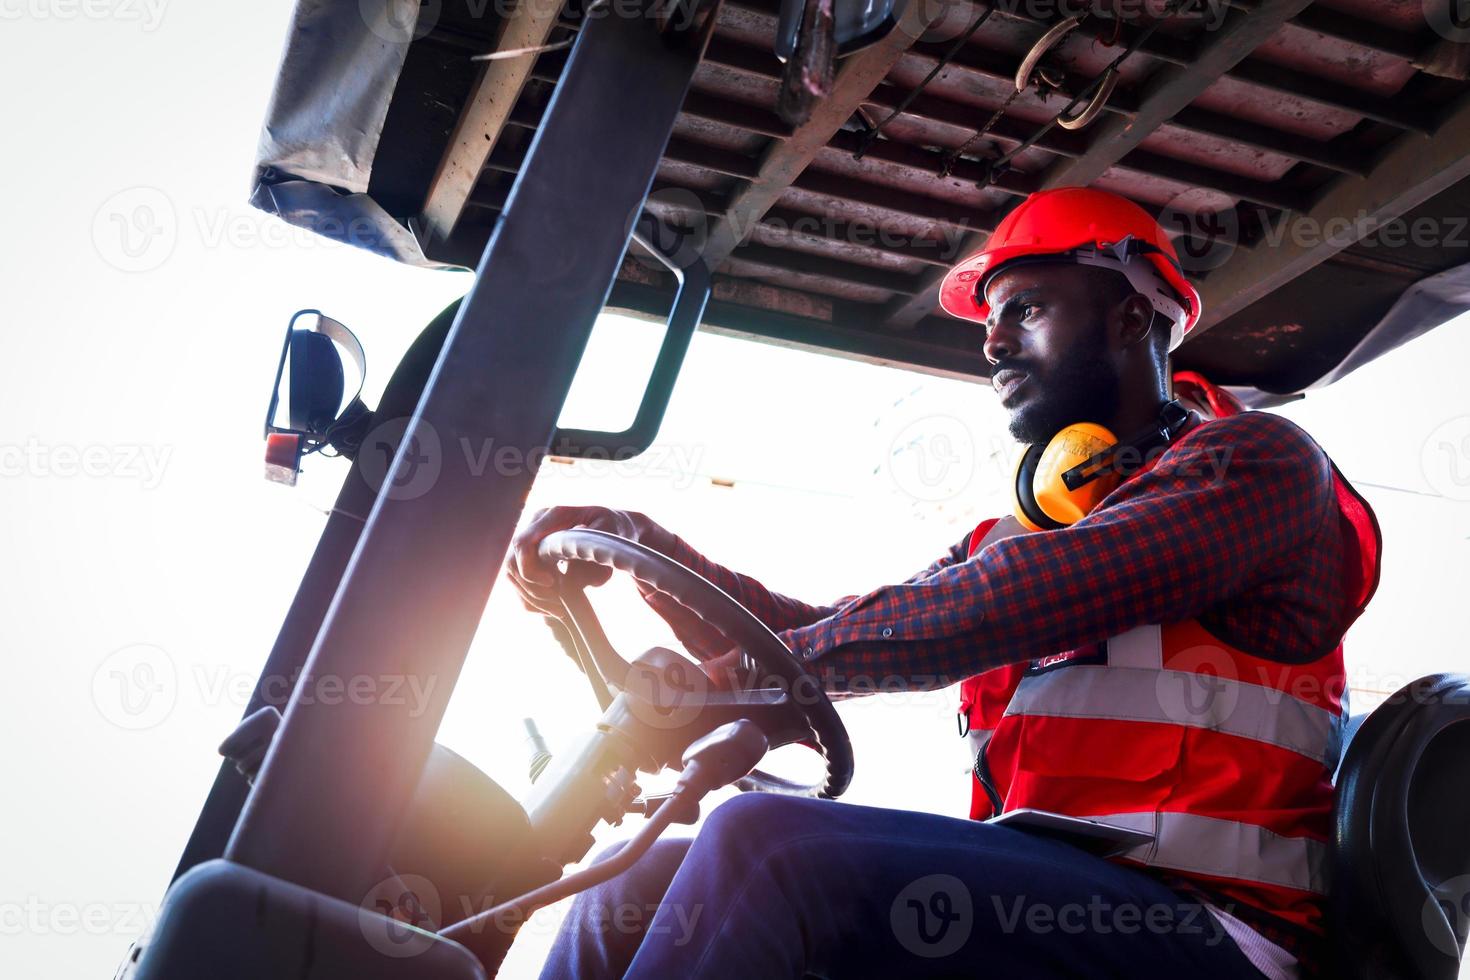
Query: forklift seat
{"x": 1400, "y": 903}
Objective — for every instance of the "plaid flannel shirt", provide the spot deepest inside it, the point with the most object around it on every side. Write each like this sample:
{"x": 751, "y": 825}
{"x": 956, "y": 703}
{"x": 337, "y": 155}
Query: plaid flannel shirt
{"x": 1236, "y": 525}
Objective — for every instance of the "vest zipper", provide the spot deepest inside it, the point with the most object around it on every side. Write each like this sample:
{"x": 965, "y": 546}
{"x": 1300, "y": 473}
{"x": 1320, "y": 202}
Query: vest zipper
{"x": 982, "y": 774}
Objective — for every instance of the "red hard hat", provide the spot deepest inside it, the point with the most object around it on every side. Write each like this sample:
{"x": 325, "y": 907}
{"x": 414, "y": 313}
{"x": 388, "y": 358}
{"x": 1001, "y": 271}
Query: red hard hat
{"x": 1061, "y": 222}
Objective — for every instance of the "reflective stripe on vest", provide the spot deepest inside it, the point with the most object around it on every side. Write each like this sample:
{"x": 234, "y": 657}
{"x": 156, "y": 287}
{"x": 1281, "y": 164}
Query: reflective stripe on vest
{"x": 1196, "y": 844}
{"x": 1201, "y": 690}
{"x": 1134, "y": 686}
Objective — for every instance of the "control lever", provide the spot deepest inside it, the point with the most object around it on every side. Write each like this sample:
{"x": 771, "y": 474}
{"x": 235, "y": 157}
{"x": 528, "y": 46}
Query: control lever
{"x": 726, "y": 754}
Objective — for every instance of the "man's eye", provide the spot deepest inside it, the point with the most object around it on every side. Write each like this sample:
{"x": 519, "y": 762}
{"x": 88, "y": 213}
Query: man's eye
{"x": 1029, "y": 310}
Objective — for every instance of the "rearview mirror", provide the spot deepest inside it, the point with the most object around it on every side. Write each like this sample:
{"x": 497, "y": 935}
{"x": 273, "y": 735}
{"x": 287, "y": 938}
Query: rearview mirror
{"x": 314, "y": 411}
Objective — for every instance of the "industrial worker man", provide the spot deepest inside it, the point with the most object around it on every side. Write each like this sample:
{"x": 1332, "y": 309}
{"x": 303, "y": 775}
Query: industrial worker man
{"x": 1153, "y": 641}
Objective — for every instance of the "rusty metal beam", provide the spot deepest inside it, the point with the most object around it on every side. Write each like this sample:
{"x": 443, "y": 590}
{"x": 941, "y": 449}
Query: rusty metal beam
{"x": 910, "y": 205}
{"x": 857, "y": 76}
{"x": 1000, "y": 67}
{"x": 1284, "y": 81}
{"x": 1008, "y": 130}
{"x": 736, "y": 114}
{"x": 929, "y": 162}
{"x": 712, "y": 158}
{"x": 1320, "y": 20}
{"x": 702, "y": 105}
{"x": 823, "y": 325}
{"x": 1272, "y": 195}
{"x": 776, "y": 225}
{"x": 821, "y": 229}
{"x": 1309, "y": 88}
{"x": 1168, "y": 90}
{"x": 1231, "y": 130}
{"x": 1125, "y": 103}
{"x": 1363, "y": 33}
{"x": 761, "y": 63}
{"x": 485, "y": 114}
{"x": 1410, "y": 172}
{"x": 782, "y": 260}
{"x": 753, "y": 61}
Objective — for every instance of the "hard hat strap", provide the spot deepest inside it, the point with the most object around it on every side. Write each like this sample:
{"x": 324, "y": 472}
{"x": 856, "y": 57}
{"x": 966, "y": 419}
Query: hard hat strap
{"x": 1122, "y": 256}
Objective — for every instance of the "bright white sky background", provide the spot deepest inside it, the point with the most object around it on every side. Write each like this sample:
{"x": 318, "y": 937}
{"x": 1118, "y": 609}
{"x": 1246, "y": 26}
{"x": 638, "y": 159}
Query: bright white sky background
{"x": 138, "y": 532}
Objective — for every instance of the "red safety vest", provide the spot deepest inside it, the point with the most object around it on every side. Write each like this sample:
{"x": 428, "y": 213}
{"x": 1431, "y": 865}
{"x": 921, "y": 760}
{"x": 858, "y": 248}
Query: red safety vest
{"x": 1227, "y": 758}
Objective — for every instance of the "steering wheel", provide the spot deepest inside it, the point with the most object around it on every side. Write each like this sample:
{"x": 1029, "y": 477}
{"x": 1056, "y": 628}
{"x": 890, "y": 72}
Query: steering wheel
{"x": 798, "y": 698}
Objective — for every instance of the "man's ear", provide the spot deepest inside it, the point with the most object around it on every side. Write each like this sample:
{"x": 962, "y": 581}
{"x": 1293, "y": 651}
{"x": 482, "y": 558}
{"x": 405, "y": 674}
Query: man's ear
{"x": 1135, "y": 320}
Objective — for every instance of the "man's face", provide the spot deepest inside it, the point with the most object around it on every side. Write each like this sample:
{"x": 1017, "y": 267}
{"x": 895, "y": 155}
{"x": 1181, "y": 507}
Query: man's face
{"x": 1049, "y": 344}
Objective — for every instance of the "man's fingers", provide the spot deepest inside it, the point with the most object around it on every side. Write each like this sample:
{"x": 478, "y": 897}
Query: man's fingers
{"x": 536, "y": 599}
{"x": 583, "y": 574}
{"x": 529, "y": 563}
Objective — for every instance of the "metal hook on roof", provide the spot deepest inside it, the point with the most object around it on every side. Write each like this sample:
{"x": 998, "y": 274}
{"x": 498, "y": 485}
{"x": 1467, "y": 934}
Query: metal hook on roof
{"x": 1095, "y": 106}
{"x": 1038, "y": 50}
{"x": 1044, "y": 44}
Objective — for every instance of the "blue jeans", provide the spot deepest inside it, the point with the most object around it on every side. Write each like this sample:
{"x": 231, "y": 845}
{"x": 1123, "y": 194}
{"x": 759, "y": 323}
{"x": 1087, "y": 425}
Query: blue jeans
{"x": 784, "y": 887}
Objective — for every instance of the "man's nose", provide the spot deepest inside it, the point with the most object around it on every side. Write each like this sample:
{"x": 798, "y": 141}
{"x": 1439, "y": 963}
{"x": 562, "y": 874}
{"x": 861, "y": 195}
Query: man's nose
{"x": 1000, "y": 342}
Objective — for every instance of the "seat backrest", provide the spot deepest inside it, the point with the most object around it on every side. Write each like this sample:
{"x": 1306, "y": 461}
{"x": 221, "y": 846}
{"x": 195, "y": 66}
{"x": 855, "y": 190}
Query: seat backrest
{"x": 1400, "y": 904}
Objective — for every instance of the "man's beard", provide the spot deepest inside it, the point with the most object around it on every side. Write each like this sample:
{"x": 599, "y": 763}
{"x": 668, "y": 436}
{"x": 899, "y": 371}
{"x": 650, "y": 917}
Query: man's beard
{"x": 1083, "y": 388}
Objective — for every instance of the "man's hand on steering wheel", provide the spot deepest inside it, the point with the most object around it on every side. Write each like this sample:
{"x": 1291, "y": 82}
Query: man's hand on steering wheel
{"x": 647, "y": 696}
{"x": 536, "y": 580}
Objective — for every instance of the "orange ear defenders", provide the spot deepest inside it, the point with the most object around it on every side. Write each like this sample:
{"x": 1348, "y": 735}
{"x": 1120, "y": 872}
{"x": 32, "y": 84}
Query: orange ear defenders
{"x": 1059, "y": 483}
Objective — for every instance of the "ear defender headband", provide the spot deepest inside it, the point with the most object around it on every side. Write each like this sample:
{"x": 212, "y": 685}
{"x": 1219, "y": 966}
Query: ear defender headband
{"x": 1060, "y": 483}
